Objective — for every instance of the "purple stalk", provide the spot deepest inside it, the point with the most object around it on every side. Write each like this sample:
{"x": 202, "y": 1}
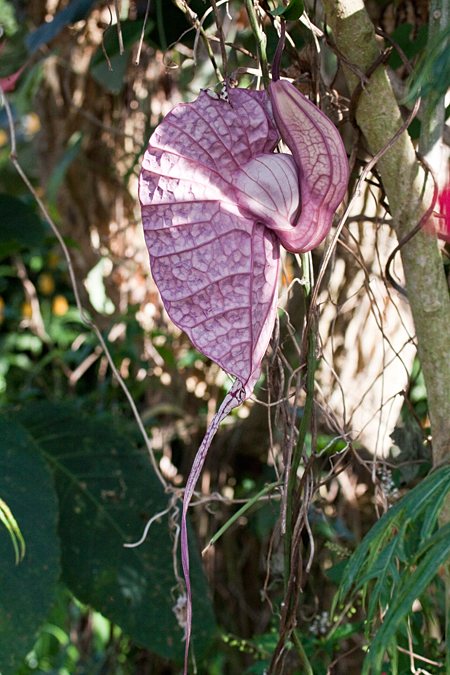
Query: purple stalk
{"x": 276, "y": 63}
{"x": 233, "y": 399}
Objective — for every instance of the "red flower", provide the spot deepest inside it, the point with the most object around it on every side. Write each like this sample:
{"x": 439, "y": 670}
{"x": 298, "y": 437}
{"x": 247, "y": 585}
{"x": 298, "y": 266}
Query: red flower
{"x": 443, "y": 220}
{"x": 8, "y": 83}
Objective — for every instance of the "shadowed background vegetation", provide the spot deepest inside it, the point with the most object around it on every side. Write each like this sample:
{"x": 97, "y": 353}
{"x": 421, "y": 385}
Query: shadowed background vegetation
{"x": 76, "y": 479}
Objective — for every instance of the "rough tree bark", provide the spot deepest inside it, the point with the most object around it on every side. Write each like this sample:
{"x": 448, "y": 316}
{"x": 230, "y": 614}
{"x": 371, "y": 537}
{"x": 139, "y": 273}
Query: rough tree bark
{"x": 379, "y": 118}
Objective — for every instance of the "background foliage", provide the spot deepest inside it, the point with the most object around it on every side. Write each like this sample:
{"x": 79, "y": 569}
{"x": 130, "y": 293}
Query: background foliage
{"x": 75, "y": 471}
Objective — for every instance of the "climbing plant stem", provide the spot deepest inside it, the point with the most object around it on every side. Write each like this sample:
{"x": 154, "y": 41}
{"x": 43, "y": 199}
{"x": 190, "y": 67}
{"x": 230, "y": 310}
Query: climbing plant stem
{"x": 260, "y": 41}
{"x": 266, "y": 489}
{"x": 301, "y": 652}
{"x": 306, "y": 416}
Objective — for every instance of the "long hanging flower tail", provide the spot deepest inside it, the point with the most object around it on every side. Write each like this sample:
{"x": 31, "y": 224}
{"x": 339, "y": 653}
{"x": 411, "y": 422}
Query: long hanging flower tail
{"x": 233, "y": 399}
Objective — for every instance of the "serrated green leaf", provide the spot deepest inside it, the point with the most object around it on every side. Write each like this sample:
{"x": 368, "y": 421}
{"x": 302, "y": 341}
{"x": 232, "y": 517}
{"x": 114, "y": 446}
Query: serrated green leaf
{"x": 433, "y": 511}
{"x": 108, "y": 491}
{"x": 407, "y": 509}
{"x": 403, "y": 599}
{"x": 26, "y": 590}
{"x": 385, "y": 568}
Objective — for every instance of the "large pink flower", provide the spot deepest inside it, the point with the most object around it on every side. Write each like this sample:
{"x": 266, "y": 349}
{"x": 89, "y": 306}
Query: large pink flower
{"x": 216, "y": 203}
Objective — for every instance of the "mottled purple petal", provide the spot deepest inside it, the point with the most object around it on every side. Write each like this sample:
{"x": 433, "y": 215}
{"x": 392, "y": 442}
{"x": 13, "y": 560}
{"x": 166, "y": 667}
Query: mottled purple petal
{"x": 215, "y": 265}
{"x": 212, "y": 258}
{"x": 321, "y": 159}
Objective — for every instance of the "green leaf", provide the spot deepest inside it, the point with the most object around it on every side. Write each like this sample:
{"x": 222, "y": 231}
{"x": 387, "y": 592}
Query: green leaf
{"x": 26, "y": 590}
{"x": 13, "y": 529}
{"x": 131, "y": 32}
{"x": 75, "y": 11}
{"x": 431, "y": 76}
{"x": 59, "y": 172}
{"x": 385, "y": 571}
{"x": 337, "y": 571}
{"x": 402, "y": 36}
{"x": 7, "y": 18}
{"x": 114, "y": 78}
{"x": 348, "y": 629}
{"x": 20, "y": 224}
{"x": 14, "y": 52}
{"x": 410, "y": 507}
{"x": 7, "y": 248}
{"x": 404, "y": 596}
{"x": 108, "y": 492}
{"x": 292, "y": 12}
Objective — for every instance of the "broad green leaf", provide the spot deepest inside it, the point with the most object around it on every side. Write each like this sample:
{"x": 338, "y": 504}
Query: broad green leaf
{"x": 131, "y": 32}
{"x": 7, "y": 18}
{"x": 27, "y": 589}
{"x": 14, "y": 53}
{"x": 59, "y": 172}
{"x": 114, "y": 78}
{"x": 338, "y": 571}
{"x": 20, "y": 224}
{"x": 75, "y": 11}
{"x": 7, "y": 248}
{"x": 108, "y": 491}
{"x": 292, "y": 12}
{"x": 402, "y": 36}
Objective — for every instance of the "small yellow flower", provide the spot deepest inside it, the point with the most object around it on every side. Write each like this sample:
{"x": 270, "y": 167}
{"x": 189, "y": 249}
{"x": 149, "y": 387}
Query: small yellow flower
{"x": 46, "y": 284}
{"x": 27, "y": 310}
{"x": 31, "y": 124}
{"x": 60, "y": 305}
{"x": 53, "y": 260}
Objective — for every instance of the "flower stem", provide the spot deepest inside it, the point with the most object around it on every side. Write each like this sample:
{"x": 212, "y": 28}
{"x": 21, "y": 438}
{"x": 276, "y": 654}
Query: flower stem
{"x": 307, "y": 411}
{"x": 301, "y": 652}
{"x": 279, "y": 53}
{"x": 260, "y": 41}
{"x": 239, "y": 513}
